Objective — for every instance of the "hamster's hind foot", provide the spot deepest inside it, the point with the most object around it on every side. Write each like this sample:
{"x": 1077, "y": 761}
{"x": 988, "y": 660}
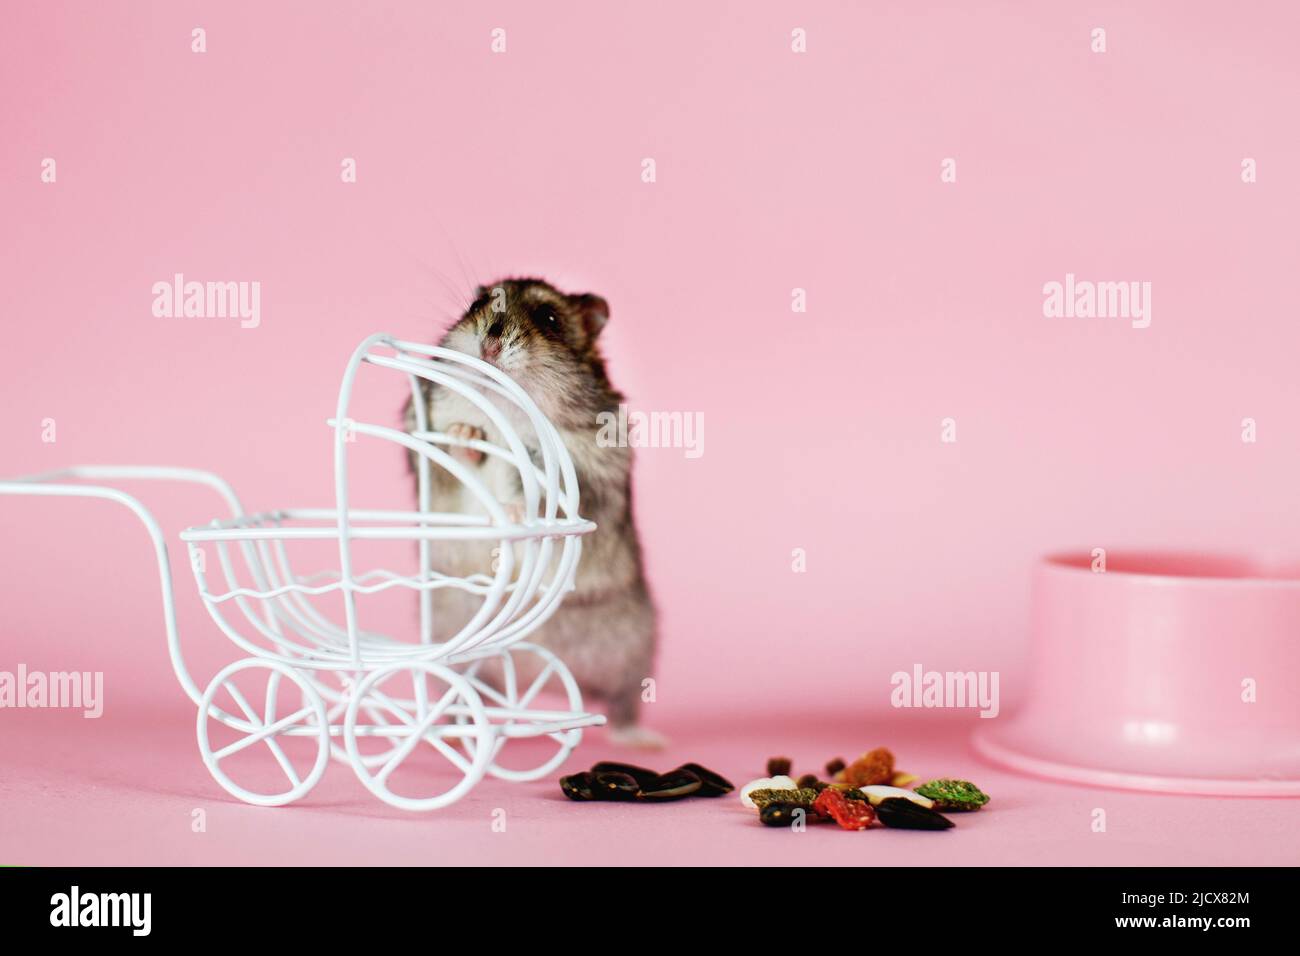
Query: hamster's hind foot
{"x": 637, "y": 737}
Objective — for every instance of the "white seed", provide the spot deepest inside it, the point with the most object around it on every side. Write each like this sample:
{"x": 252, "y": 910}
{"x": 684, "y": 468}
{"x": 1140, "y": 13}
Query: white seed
{"x": 876, "y": 795}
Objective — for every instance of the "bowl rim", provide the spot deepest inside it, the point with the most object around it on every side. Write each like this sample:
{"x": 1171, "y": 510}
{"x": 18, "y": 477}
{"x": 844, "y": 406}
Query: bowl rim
{"x": 989, "y": 743}
{"x": 1079, "y": 562}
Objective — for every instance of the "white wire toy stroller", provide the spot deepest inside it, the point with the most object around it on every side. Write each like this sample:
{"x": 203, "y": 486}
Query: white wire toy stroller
{"x": 381, "y": 696}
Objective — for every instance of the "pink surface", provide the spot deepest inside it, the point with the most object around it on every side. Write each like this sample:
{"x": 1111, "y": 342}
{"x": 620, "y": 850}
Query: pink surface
{"x": 775, "y": 171}
{"x": 124, "y": 790}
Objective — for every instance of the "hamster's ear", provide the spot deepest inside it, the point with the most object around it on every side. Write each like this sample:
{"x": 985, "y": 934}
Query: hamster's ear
{"x": 594, "y": 311}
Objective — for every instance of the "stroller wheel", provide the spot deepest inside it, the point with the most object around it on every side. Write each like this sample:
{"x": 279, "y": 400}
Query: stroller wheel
{"x": 528, "y": 675}
{"x": 256, "y": 680}
{"x": 446, "y": 711}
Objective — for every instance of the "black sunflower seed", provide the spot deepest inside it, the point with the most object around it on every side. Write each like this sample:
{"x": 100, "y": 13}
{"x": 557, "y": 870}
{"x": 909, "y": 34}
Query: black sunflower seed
{"x": 641, "y": 775}
{"x": 613, "y": 785}
{"x": 784, "y": 814}
{"x": 907, "y": 815}
{"x": 578, "y": 786}
{"x": 714, "y": 784}
{"x": 671, "y": 786}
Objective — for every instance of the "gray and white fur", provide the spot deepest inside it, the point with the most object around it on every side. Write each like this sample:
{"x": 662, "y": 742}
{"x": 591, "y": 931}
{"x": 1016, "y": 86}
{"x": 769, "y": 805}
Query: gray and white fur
{"x": 548, "y": 342}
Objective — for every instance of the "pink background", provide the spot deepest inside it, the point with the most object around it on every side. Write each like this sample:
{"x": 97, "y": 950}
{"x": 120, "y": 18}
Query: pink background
{"x": 775, "y": 171}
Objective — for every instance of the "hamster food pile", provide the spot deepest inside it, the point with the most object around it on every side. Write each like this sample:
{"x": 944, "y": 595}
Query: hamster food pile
{"x": 869, "y": 790}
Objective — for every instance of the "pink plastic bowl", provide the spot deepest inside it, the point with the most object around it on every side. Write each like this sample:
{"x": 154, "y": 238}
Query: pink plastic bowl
{"x": 1137, "y": 677}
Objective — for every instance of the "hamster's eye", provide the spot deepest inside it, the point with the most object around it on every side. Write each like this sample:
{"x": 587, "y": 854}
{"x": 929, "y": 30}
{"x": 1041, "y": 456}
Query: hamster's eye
{"x": 546, "y": 315}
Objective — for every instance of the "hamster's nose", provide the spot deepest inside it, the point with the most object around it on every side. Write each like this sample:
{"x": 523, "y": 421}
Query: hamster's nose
{"x": 491, "y": 344}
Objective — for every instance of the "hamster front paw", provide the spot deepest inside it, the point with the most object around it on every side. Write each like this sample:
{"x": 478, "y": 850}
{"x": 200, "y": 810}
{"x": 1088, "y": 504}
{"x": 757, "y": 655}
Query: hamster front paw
{"x": 463, "y": 432}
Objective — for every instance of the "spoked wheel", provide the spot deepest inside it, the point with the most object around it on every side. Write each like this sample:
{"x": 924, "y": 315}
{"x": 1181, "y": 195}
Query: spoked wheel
{"x": 248, "y": 727}
{"x": 528, "y": 677}
{"x": 427, "y": 710}
{"x": 337, "y": 688}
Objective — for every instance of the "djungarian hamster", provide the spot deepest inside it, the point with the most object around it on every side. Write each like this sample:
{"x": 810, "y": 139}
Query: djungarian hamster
{"x": 547, "y": 341}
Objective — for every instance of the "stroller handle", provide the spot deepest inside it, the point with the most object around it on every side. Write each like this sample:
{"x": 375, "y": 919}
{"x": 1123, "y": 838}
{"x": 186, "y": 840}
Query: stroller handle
{"x": 55, "y": 483}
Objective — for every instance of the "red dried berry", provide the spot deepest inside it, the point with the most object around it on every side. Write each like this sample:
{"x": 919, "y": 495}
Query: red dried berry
{"x": 849, "y": 814}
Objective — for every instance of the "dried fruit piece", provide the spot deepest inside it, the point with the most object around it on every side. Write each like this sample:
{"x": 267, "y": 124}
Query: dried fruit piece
{"x": 834, "y": 766}
{"x": 900, "y": 779}
{"x": 714, "y": 784}
{"x": 849, "y": 814}
{"x": 804, "y": 797}
{"x": 784, "y": 814}
{"x": 578, "y": 786}
{"x": 641, "y": 775}
{"x": 873, "y": 767}
{"x": 764, "y": 783}
{"x": 807, "y": 780}
{"x": 954, "y": 794}
{"x": 778, "y": 766}
{"x": 906, "y": 815}
{"x": 614, "y": 785}
{"x": 877, "y": 795}
{"x": 671, "y": 786}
